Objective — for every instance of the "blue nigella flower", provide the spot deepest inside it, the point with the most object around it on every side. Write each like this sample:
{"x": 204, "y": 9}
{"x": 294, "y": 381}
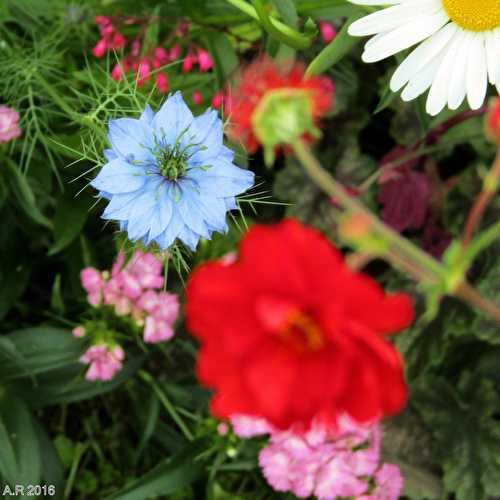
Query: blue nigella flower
{"x": 170, "y": 176}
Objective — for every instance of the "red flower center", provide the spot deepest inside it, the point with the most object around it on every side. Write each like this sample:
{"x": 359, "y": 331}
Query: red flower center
{"x": 294, "y": 327}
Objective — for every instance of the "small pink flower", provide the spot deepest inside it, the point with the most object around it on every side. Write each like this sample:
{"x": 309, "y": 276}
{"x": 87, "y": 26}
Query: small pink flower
{"x": 102, "y": 20}
{"x": 91, "y": 279}
{"x": 328, "y": 32}
{"x": 78, "y": 332}
{"x": 189, "y": 61}
{"x": 9, "y": 128}
{"x": 157, "y": 330}
{"x": 100, "y": 49}
{"x": 222, "y": 428}
{"x": 118, "y": 264}
{"x": 130, "y": 285}
{"x": 104, "y": 362}
{"x": 388, "y": 484}
{"x": 123, "y": 306}
{"x": 117, "y": 72}
{"x": 143, "y": 72}
{"x": 247, "y": 426}
{"x": 161, "y": 55}
{"x": 148, "y": 301}
{"x": 204, "y": 60}
{"x": 167, "y": 308}
{"x": 117, "y": 41}
{"x": 218, "y": 99}
{"x": 197, "y": 98}
{"x": 175, "y": 52}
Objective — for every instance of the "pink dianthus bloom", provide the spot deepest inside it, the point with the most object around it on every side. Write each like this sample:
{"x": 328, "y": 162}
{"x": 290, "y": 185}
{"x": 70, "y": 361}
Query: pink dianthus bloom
{"x": 93, "y": 283}
{"x": 9, "y": 128}
{"x": 324, "y": 462}
{"x": 163, "y": 311}
{"x": 388, "y": 484}
{"x": 104, "y": 361}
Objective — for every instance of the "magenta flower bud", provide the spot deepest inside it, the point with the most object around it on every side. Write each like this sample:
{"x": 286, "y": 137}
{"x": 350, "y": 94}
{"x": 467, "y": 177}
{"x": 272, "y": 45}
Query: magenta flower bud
{"x": 9, "y": 128}
{"x": 188, "y": 63}
{"x": 162, "y": 83}
{"x": 197, "y": 98}
{"x": 204, "y": 60}
{"x": 328, "y": 32}
{"x": 161, "y": 55}
{"x": 175, "y": 52}
{"x": 100, "y": 49}
{"x": 78, "y": 332}
{"x": 218, "y": 99}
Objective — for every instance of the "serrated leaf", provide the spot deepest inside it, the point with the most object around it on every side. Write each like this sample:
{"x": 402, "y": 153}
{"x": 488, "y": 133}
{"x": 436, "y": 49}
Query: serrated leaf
{"x": 467, "y": 434}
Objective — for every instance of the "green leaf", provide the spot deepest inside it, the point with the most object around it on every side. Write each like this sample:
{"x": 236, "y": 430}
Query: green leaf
{"x": 224, "y": 56}
{"x": 339, "y": 47}
{"x": 168, "y": 477}
{"x": 467, "y": 434}
{"x": 70, "y": 216}
{"x": 20, "y": 461}
{"x": 23, "y": 193}
{"x": 40, "y": 350}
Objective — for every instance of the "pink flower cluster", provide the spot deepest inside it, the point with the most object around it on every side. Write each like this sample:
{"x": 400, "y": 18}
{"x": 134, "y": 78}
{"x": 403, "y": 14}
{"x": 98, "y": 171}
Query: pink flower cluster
{"x": 144, "y": 63}
{"x": 9, "y": 128}
{"x": 324, "y": 462}
{"x": 133, "y": 290}
{"x": 104, "y": 360}
{"x": 111, "y": 39}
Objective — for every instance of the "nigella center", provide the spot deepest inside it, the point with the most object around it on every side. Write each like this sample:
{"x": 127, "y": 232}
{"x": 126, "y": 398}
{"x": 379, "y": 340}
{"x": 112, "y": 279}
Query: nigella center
{"x": 172, "y": 161}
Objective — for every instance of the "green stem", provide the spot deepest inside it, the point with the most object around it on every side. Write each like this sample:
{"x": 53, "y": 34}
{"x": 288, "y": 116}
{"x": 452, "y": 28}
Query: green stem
{"x": 79, "y": 451}
{"x": 167, "y": 404}
{"x": 336, "y": 190}
{"x": 274, "y": 27}
{"x": 401, "y": 252}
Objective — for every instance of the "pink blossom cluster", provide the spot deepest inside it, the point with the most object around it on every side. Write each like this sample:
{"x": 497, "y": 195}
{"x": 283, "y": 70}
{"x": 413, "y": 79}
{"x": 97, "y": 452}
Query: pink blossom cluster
{"x": 104, "y": 361}
{"x": 111, "y": 39}
{"x": 144, "y": 63}
{"x": 9, "y": 128}
{"x": 133, "y": 290}
{"x": 325, "y": 462}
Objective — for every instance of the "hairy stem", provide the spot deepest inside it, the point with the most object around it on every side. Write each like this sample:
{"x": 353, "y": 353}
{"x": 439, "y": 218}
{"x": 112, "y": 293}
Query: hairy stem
{"x": 490, "y": 187}
{"x": 402, "y": 253}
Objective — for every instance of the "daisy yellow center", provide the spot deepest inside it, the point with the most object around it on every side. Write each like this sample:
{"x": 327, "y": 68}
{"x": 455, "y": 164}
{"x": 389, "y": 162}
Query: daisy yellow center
{"x": 474, "y": 15}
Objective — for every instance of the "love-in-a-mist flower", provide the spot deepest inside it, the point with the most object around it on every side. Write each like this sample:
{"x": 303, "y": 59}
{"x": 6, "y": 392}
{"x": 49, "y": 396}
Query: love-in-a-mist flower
{"x": 9, "y": 128}
{"x": 458, "y": 51}
{"x": 169, "y": 175}
{"x": 274, "y": 102}
{"x": 289, "y": 333}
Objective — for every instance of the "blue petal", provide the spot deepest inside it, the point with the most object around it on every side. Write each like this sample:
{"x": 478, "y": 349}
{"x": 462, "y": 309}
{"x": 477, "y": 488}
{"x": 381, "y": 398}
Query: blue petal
{"x": 190, "y": 238}
{"x": 141, "y": 215}
{"x": 208, "y": 132}
{"x": 120, "y": 206}
{"x": 162, "y": 213}
{"x": 147, "y": 115}
{"x": 132, "y": 140}
{"x": 168, "y": 236}
{"x": 109, "y": 154}
{"x": 119, "y": 177}
{"x": 213, "y": 210}
{"x": 173, "y": 118}
{"x": 222, "y": 179}
{"x": 191, "y": 215}
{"x": 230, "y": 203}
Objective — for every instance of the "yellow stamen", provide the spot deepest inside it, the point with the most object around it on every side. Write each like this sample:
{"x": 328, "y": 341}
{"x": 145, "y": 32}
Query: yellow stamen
{"x": 474, "y": 15}
{"x": 302, "y": 332}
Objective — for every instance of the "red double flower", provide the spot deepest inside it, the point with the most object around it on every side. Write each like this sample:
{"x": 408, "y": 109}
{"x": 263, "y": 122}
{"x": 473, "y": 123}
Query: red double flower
{"x": 289, "y": 333}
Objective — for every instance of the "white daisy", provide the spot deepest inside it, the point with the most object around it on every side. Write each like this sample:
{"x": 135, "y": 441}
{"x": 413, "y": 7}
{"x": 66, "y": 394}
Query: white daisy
{"x": 458, "y": 51}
